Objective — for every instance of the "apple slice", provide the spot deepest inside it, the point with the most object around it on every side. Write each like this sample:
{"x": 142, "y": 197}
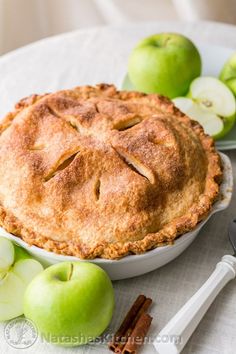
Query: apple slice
{"x": 27, "y": 269}
{"x": 12, "y": 290}
{"x": 6, "y": 255}
{"x": 213, "y": 95}
{"x": 17, "y": 269}
{"x": 211, "y": 103}
{"x": 20, "y": 253}
{"x": 127, "y": 84}
{"x": 212, "y": 124}
{"x": 183, "y": 103}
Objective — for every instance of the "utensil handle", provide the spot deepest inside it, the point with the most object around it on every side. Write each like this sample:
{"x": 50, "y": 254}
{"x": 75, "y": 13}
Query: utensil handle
{"x": 174, "y": 336}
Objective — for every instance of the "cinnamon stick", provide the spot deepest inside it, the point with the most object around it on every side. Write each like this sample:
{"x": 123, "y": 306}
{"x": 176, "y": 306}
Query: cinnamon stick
{"x": 144, "y": 307}
{"x": 129, "y": 323}
{"x": 137, "y": 337}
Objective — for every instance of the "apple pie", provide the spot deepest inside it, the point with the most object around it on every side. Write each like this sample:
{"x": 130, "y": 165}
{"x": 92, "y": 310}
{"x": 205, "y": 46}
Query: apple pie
{"x": 96, "y": 172}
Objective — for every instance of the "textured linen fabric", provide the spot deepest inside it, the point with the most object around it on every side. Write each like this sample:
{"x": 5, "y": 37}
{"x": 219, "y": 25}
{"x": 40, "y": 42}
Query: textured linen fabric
{"x": 100, "y": 55}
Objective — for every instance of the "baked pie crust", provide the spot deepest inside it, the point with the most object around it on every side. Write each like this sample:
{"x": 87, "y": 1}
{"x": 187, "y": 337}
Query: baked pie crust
{"x": 96, "y": 172}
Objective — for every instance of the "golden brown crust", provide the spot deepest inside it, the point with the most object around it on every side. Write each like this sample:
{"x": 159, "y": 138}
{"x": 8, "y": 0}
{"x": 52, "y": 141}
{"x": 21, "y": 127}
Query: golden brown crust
{"x": 96, "y": 172}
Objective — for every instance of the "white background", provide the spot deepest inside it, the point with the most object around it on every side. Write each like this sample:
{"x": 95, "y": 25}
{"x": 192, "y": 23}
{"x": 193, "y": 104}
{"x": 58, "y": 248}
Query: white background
{"x": 24, "y": 21}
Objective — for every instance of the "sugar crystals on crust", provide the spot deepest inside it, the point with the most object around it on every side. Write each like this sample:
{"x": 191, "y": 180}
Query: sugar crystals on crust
{"x": 96, "y": 172}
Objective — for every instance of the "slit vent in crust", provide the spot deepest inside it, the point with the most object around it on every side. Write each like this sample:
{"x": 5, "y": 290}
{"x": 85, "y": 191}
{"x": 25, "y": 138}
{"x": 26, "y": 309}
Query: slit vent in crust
{"x": 72, "y": 122}
{"x": 97, "y": 189}
{"x": 124, "y": 125}
{"x": 136, "y": 165}
{"x": 61, "y": 165}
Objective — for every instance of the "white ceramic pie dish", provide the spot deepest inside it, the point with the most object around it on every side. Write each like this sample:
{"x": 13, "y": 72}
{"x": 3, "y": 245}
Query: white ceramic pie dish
{"x": 134, "y": 265}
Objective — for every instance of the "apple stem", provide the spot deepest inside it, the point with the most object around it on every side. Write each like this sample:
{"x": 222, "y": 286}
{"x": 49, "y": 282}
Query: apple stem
{"x": 71, "y": 271}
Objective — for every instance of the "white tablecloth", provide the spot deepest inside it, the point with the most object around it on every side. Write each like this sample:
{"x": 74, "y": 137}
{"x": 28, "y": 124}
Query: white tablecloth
{"x": 100, "y": 55}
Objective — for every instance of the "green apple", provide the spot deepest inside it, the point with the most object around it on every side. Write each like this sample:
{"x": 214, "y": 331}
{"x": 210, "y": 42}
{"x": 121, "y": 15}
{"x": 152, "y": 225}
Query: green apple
{"x": 71, "y": 303}
{"x": 164, "y": 63}
{"x": 21, "y": 253}
{"x": 228, "y": 73}
{"x": 211, "y": 123}
{"x": 214, "y": 97}
{"x": 6, "y": 256}
{"x": 127, "y": 84}
{"x": 17, "y": 269}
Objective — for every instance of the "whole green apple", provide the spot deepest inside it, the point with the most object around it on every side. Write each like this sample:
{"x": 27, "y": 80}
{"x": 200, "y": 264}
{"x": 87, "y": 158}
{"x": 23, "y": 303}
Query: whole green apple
{"x": 228, "y": 73}
{"x": 71, "y": 303}
{"x": 164, "y": 63}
